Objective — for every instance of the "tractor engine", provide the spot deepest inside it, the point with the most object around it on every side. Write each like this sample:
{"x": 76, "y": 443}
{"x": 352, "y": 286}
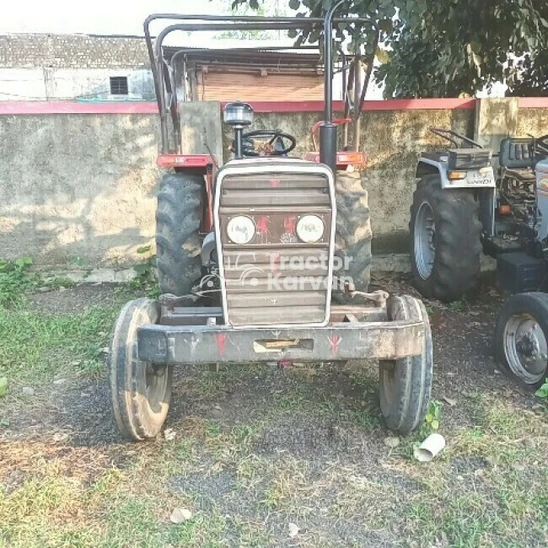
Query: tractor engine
{"x": 274, "y": 225}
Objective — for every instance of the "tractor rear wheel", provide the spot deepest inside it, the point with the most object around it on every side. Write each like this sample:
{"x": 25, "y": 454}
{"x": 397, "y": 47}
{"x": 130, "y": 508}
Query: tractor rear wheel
{"x": 140, "y": 391}
{"x": 445, "y": 240}
{"x": 353, "y": 235}
{"x": 406, "y": 383}
{"x": 178, "y": 245}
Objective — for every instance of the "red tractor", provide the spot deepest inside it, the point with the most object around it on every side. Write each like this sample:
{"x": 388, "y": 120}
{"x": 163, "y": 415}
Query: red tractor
{"x": 264, "y": 259}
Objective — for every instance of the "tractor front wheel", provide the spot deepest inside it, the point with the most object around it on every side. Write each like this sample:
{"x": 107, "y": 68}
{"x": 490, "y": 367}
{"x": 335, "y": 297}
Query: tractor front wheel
{"x": 406, "y": 383}
{"x": 521, "y": 339}
{"x": 140, "y": 391}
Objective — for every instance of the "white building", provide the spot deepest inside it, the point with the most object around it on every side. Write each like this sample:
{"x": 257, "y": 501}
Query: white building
{"x": 74, "y": 67}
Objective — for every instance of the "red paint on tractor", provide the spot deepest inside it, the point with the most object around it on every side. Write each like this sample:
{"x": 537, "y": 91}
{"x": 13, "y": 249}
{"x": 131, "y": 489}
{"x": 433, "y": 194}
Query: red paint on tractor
{"x": 261, "y": 224}
{"x": 335, "y": 342}
{"x": 289, "y": 224}
{"x": 221, "y": 339}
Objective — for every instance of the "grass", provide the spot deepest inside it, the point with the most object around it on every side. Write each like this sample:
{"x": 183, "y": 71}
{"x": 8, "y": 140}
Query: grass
{"x": 36, "y": 347}
{"x": 254, "y": 450}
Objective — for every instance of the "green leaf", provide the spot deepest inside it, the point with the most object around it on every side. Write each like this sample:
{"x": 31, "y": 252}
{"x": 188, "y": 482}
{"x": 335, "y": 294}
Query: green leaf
{"x": 542, "y": 392}
{"x": 3, "y": 386}
{"x": 294, "y": 4}
{"x": 435, "y": 424}
{"x": 144, "y": 249}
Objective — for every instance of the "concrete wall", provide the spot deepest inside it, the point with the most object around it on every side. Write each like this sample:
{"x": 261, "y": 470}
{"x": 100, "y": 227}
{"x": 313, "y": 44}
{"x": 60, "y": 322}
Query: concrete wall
{"x": 78, "y": 189}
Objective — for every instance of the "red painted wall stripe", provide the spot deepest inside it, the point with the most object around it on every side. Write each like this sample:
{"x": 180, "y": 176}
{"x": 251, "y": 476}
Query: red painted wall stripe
{"x": 74, "y": 107}
{"x": 533, "y": 102}
{"x": 8, "y": 108}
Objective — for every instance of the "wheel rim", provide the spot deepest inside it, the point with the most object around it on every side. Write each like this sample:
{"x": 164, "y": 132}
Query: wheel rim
{"x": 156, "y": 379}
{"x": 525, "y": 348}
{"x": 423, "y": 240}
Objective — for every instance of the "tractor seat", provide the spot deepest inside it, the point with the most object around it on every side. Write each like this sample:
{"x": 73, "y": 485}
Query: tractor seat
{"x": 516, "y": 153}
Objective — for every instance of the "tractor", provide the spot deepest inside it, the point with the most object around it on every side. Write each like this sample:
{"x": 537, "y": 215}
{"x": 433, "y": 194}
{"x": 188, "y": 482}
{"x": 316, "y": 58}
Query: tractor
{"x": 264, "y": 258}
{"x": 460, "y": 209}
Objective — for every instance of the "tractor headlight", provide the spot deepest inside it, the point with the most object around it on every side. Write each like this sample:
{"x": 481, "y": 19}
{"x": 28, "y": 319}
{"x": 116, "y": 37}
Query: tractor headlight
{"x": 310, "y": 229}
{"x": 240, "y": 229}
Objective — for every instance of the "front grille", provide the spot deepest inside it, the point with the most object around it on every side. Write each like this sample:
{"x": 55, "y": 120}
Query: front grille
{"x": 275, "y": 279}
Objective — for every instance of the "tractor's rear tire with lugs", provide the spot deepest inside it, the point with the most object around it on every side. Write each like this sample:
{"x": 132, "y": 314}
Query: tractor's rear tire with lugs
{"x": 178, "y": 244}
{"x": 406, "y": 383}
{"x": 353, "y": 235}
{"x": 445, "y": 240}
{"x": 140, "y": 391}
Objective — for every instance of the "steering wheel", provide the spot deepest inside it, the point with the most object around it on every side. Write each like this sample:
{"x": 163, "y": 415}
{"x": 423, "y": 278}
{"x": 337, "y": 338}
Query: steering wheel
{"x": 272, "y": 143}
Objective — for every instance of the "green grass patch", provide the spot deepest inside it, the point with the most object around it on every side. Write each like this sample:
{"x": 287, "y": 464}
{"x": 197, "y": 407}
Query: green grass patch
{"x": 36, "y": 346}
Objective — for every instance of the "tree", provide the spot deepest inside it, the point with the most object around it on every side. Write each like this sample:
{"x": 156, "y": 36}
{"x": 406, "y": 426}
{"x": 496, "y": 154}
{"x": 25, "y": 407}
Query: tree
{"x": 446, "y": 48}
{"x": 272, "y": 8}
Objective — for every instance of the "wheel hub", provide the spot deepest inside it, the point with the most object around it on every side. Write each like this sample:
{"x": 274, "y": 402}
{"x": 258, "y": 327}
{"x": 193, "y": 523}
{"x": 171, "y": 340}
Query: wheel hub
{"x": 526, "y": 348}
{"x": 424, "y": 240}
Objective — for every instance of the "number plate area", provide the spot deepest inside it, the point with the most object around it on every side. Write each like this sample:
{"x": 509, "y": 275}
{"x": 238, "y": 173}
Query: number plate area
{"x": 483, "y": 177}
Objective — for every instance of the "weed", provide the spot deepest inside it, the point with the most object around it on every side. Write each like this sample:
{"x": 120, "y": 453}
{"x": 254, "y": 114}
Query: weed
{"x": 458, "y": 306}
{"x": 213, "y": 429}
{"x": 59, "y": 282}
{"x": 432, "y": 419}
{"x": 15, "y": 279}
{"x": 542, "y": 392}
{"x": 145, "y": 278}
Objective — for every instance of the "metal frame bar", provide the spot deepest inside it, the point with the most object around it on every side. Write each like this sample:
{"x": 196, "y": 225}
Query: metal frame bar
{"x": 177, "y": 344}
{"x": 447, "y": 133}
{"x": 199, "y": 23}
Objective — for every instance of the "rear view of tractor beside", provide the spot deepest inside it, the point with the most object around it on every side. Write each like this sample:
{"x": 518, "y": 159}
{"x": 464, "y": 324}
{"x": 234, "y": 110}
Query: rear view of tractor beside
{"x": 254, "y": 254}
{"x": 460, "y": 208}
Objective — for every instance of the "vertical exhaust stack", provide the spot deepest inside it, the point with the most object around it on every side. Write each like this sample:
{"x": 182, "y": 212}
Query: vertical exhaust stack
{"x": 328, "y": 130}
{"x": 239, "y": 116}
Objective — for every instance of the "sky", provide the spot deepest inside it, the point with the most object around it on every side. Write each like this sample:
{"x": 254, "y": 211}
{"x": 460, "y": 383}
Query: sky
{"x": 116, "y": 17}
{"x": 95, "y": 16}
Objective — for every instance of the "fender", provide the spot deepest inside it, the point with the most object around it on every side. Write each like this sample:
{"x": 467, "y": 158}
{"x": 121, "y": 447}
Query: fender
{"x": 475, "y": 178}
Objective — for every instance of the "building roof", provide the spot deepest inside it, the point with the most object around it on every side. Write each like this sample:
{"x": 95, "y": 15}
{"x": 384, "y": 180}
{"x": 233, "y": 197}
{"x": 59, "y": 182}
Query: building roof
{"x": 278, "y": 60}
{"x": 72, "y": 51}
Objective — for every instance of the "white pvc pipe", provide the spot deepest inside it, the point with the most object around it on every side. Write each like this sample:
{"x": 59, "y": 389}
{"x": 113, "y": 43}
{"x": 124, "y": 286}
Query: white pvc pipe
{"x": 429, "y": 448}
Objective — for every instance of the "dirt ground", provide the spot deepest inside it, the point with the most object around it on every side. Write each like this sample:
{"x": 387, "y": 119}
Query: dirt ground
{"x": 261, "y": 456}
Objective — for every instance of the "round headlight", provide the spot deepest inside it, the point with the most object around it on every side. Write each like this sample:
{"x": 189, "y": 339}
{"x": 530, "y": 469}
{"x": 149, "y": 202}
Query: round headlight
{"x": 240, "y": 229}
{"x": 310, "y": 229}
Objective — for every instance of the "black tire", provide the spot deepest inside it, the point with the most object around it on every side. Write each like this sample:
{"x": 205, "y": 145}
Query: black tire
{"x": 521, "y": 339}
{"x": 140, "y": 393}
{"x": 406, "y": 384}
{"x": 353, "y": 234}
{"x": 178, "y": 243}
{"x": 456, "y": 239}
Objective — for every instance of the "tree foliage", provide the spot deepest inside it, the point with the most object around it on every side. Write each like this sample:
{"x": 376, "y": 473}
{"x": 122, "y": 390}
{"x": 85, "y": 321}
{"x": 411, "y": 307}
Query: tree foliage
{"x": 447, "y": 48}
